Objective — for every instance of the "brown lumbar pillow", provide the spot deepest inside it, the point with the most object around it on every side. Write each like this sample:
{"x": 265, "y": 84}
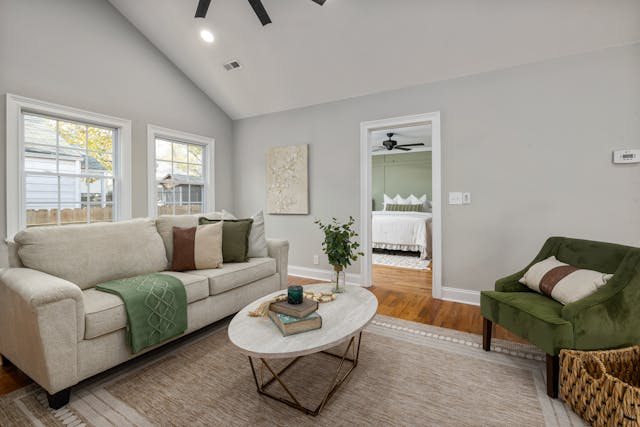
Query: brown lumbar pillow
{"x": 197, "y": 248}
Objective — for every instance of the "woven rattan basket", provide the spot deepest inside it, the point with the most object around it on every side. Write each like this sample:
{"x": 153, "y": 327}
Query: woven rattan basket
{"x": 603, "y": 387}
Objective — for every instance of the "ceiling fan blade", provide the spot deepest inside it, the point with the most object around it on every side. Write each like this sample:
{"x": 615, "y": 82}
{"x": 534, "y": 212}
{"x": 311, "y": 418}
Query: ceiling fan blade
{"x": 260, "y": 11}
{"x": 320, "y": 2}
{"x": 398, "y": 147}
{"x": 203, "y": 7}
{"x": 378, "y": 148}
{"x": 410, "y": 145}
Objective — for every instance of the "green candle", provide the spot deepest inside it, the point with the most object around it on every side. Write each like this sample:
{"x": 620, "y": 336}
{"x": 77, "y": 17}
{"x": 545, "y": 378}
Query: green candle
{"x": 294, "y": 295}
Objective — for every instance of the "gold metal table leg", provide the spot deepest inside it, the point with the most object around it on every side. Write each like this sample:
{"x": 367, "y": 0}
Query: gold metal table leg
{"x": 336, "y": 381}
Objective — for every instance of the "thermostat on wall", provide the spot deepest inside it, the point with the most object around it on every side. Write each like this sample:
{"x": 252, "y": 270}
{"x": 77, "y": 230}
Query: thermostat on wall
{"x": 626, "y": 156}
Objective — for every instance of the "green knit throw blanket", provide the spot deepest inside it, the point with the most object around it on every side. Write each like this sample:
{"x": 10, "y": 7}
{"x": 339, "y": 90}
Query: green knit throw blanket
{"x": 156, "y": 306}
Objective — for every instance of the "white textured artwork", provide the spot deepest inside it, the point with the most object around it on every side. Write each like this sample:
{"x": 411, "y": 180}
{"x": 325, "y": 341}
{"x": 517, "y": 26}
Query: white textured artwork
{"x": 287, "y": 180}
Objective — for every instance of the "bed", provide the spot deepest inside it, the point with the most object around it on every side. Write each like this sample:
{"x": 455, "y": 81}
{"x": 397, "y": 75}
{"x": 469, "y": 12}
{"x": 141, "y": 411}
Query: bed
{"x": 402, "y": 231}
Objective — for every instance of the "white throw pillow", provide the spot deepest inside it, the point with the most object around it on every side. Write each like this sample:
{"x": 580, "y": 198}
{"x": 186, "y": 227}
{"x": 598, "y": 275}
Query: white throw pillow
{"x": 563, "y": 282}
{"x": 388, "y": 201}
{"x": 399, "y": 200}
{"x": 257, "y": 237}
{"x": 402, "y": 201}
{"x": 411, "y": 200}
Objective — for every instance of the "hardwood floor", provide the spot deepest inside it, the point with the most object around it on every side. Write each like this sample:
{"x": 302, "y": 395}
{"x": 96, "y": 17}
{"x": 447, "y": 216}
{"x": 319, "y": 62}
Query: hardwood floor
{"x": 403, "y": 293}
{"x": 406, "y": 294}
{"x": 12, "y": 378}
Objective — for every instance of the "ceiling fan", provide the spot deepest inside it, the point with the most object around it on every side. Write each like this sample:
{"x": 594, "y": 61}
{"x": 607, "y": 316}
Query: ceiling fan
{"x": 258, "y": 8}
{"x": 390, "y": 144}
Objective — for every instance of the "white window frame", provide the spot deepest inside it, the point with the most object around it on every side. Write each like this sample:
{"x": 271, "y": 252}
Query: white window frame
{"x": 16, "y": 190}
{"x": 153, "y": 132}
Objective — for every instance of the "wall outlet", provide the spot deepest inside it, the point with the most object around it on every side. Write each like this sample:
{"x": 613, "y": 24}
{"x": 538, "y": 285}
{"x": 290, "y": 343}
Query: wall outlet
{"x": 455, "y": 198}
{"x": 466, "y": 198}
{"x": 316, "y": 260}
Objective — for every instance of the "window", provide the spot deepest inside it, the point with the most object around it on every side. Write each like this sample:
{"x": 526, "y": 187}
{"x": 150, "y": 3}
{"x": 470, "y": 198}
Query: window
{"x": 179, "y": 166}
{"x": 68, "y": 171}
{"x": 64, "y": 166}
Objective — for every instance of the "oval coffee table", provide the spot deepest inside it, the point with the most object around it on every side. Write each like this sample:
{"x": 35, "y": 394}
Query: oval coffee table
{"x": 342, "y": 321}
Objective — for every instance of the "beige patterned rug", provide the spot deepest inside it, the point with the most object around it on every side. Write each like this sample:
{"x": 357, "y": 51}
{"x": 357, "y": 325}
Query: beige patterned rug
{"x": 402, "y": 261}
{"x": 409, "y": 374}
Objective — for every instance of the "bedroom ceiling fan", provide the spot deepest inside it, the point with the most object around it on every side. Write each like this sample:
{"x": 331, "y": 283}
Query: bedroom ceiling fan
{"x": 390, "y": 144}
{"x": 258, "y": 8}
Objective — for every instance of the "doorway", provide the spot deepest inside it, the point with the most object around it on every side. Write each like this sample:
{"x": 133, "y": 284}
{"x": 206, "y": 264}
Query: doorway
{"x": 402, "y": 217}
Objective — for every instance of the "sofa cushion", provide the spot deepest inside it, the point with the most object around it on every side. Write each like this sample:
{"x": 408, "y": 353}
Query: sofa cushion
{"x": 531, "y": 316}
{"x": 105, "y": 312}
{"x": 89, "y": 254}
{"x": 236, "y": 274}
{"x": 165, "y": 224}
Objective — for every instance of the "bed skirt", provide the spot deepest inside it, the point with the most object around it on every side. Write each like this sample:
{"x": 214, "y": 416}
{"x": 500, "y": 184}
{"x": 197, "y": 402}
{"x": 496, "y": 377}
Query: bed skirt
{"x": 406, "y": 248}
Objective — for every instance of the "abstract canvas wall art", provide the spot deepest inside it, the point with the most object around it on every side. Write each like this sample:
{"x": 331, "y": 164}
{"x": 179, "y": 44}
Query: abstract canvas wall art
{"x": 288, "y": 180}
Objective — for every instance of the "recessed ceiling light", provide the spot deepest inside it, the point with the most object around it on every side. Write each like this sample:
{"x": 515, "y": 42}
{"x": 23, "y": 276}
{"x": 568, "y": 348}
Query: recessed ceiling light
{"x": 207, "y": 36}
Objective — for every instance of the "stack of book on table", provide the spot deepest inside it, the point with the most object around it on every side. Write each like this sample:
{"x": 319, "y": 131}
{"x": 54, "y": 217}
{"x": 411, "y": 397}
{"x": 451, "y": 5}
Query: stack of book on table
{"x": 295, "y": 318}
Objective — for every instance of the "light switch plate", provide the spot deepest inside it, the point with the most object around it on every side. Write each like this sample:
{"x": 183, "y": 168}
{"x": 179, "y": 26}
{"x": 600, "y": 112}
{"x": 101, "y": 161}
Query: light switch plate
{"x": 455, "y": 198}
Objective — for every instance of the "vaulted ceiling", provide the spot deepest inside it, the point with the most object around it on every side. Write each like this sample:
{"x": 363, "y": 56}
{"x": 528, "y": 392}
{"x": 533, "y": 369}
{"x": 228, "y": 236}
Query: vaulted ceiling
{"x": 312, "y": 54}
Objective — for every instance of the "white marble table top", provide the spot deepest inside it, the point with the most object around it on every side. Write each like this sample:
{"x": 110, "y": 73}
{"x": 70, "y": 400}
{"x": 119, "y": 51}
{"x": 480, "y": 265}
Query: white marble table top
{"x": 341, "y": 319}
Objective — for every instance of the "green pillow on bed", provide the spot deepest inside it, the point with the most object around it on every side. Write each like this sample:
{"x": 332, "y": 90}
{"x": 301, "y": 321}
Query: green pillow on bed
{"x": 404, "y": 208}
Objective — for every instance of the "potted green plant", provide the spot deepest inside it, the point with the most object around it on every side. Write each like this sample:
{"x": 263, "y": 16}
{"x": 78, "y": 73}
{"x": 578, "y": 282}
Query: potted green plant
{"x": 340, "y": 247}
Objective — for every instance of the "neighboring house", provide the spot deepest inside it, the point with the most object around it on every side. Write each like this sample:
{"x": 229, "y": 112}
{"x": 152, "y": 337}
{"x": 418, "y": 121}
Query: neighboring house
{"x": 179, "y": 195}
{"x": 41, "y": 190}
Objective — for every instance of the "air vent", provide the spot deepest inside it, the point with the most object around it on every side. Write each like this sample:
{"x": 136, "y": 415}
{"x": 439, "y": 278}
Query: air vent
{"x": 232, "y": 65}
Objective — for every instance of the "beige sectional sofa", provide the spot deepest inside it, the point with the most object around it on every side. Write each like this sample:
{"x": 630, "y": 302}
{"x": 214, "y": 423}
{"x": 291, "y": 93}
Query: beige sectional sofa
{"x": 59, "y": 330}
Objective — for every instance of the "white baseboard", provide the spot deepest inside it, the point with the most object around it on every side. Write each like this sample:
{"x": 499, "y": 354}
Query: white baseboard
{"x": 323, "y": 275}
{"x": 464, "y": 296}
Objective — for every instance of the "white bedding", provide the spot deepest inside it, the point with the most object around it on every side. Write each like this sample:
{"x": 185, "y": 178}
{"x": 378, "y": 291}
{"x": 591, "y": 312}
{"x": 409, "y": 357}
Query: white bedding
{"x": 406, "y": 231}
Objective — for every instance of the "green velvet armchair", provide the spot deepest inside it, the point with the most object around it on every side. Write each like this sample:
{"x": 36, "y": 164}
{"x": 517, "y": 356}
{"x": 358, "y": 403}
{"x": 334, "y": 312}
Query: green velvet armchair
{"x": 609, "y": 318}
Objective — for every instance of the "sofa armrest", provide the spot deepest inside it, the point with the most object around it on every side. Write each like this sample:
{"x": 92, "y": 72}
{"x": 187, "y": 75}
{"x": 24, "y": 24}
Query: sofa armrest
{"x": 278, "y": 249}
{"x": 41, "y": 322}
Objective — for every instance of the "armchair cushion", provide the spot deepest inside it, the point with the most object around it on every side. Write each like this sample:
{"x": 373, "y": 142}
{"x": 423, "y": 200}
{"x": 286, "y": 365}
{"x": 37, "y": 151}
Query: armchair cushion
{"x": 531, "y": 316}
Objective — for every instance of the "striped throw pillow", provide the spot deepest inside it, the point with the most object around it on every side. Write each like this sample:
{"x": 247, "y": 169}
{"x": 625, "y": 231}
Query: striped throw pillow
{"x": 563, "y": 282}
{"x": 404, "y": 208}
{"x": 197, "y": 248}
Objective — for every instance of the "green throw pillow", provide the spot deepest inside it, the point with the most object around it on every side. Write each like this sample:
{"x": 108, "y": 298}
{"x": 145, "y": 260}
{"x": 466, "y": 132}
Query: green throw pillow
{"x": 401, "y": 208}
{"x": 235, "y": 238}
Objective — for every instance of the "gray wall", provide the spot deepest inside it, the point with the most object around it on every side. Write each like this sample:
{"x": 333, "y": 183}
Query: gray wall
{"x": 532, "y": 144}
{"x": 84, "y": 54}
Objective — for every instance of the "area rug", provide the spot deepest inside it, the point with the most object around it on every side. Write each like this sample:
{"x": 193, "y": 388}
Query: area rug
{"x": 409, "y": 374}
{"x": 402, "y": 261}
